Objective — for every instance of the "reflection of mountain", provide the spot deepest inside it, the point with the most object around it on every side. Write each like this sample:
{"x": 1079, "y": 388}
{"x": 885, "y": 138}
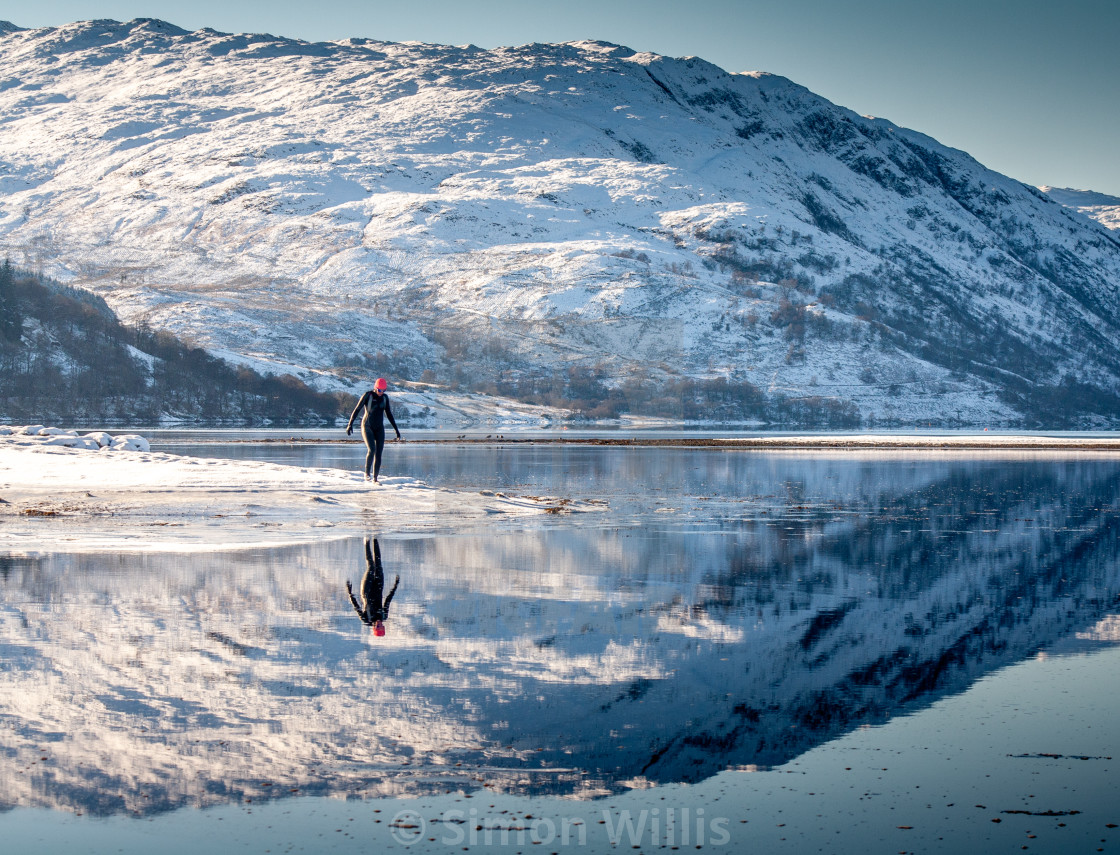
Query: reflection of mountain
{"x": 563, "y": 661}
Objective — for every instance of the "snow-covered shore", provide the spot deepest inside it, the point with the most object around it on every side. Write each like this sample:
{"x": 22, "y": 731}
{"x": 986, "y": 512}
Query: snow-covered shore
{"x": 60, "y": 492}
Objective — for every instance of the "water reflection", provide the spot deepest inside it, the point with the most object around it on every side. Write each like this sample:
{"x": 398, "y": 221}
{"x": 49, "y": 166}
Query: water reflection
{"x": 374, "y": 609}
{"x": 559, "y": 660}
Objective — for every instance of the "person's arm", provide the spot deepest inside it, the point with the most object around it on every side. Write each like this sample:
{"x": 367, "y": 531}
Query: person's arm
{"x": 392, "y": 421}
{"x": 389, "y": 599}
{"x": 354, "y": 602}
{"x": 354, "y": 415}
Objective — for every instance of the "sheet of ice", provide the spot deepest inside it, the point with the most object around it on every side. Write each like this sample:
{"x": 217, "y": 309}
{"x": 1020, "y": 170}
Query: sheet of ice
{"x": 61, "y": 492}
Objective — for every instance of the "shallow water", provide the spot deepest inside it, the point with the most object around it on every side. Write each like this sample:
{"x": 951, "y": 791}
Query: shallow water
{"x": 747, "y": 651}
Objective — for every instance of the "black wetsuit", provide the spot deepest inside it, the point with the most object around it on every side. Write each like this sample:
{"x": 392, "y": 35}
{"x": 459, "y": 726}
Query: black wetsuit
{"x": 373, "y": 427}
{"x": 372, "y": 609}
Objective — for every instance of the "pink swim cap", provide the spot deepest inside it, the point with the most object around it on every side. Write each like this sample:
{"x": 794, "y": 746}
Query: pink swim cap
{"x": 381, "y": 384}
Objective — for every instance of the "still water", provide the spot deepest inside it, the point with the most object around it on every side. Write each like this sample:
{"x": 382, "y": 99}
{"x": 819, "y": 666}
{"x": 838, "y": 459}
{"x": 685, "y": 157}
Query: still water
{"x": 743, "y": 651}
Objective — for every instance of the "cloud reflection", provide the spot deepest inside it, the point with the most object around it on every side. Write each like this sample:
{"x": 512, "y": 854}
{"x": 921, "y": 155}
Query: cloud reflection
{"x": 577, "y": 661}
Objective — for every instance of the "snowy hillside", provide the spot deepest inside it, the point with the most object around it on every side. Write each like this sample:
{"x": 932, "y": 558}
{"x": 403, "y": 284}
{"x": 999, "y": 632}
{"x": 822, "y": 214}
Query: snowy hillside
{"x": 544, "y": 222}
{"x": 1101, "y": 207}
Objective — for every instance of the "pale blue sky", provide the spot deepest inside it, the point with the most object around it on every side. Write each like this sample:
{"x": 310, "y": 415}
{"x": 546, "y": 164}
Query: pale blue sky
{"x": 1029, "y": 87}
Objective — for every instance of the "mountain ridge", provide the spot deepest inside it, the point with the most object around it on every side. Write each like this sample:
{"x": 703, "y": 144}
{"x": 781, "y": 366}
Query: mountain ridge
{"x": 502, "y": 219}
{"x": 1101, "y": 207}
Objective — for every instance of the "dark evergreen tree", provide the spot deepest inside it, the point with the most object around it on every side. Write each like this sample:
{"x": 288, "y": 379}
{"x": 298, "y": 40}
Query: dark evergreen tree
{"x": 11, "y": 318}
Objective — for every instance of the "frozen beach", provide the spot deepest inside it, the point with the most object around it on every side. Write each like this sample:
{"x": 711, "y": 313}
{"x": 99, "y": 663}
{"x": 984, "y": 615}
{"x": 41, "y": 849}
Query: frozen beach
{"x": 62, "y": 491}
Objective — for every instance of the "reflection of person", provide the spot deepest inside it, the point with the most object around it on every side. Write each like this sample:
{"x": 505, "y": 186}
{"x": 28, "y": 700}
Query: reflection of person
{"x": 376, "y": 404}
{"x": 373, "y": 611}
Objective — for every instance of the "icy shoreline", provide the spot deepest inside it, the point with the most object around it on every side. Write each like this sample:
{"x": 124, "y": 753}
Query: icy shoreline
{"x": 60, "y": 492}
{"x": 991, "y": 441}
{"x": 678, "y": 436}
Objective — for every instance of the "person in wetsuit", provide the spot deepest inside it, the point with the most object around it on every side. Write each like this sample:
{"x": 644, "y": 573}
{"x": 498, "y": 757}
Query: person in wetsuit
{"x": 376, "y": 404}
{"x": 372, "y": 610}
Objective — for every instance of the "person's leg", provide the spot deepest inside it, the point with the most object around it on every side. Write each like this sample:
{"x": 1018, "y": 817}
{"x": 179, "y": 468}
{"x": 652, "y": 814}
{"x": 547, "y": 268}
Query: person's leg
{"x": 371, "y": 448}
{"x": 379, "y": 446}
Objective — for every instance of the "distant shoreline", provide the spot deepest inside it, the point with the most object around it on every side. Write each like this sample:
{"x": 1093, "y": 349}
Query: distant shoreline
{"x": 822, "y": 442}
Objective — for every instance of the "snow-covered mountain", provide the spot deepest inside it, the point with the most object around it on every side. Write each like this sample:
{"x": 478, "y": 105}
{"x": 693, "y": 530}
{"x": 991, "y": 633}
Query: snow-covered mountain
{"x": 520, "y": 215}
{"x": 1101, "y": 207}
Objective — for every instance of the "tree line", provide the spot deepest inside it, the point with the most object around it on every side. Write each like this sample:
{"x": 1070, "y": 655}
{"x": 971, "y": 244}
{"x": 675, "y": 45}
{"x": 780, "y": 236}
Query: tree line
{"x": 65, "y": 356}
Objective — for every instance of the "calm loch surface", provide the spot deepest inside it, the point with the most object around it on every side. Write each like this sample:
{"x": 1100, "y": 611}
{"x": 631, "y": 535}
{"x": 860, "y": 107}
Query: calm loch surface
{"x": 741, "y": 651}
